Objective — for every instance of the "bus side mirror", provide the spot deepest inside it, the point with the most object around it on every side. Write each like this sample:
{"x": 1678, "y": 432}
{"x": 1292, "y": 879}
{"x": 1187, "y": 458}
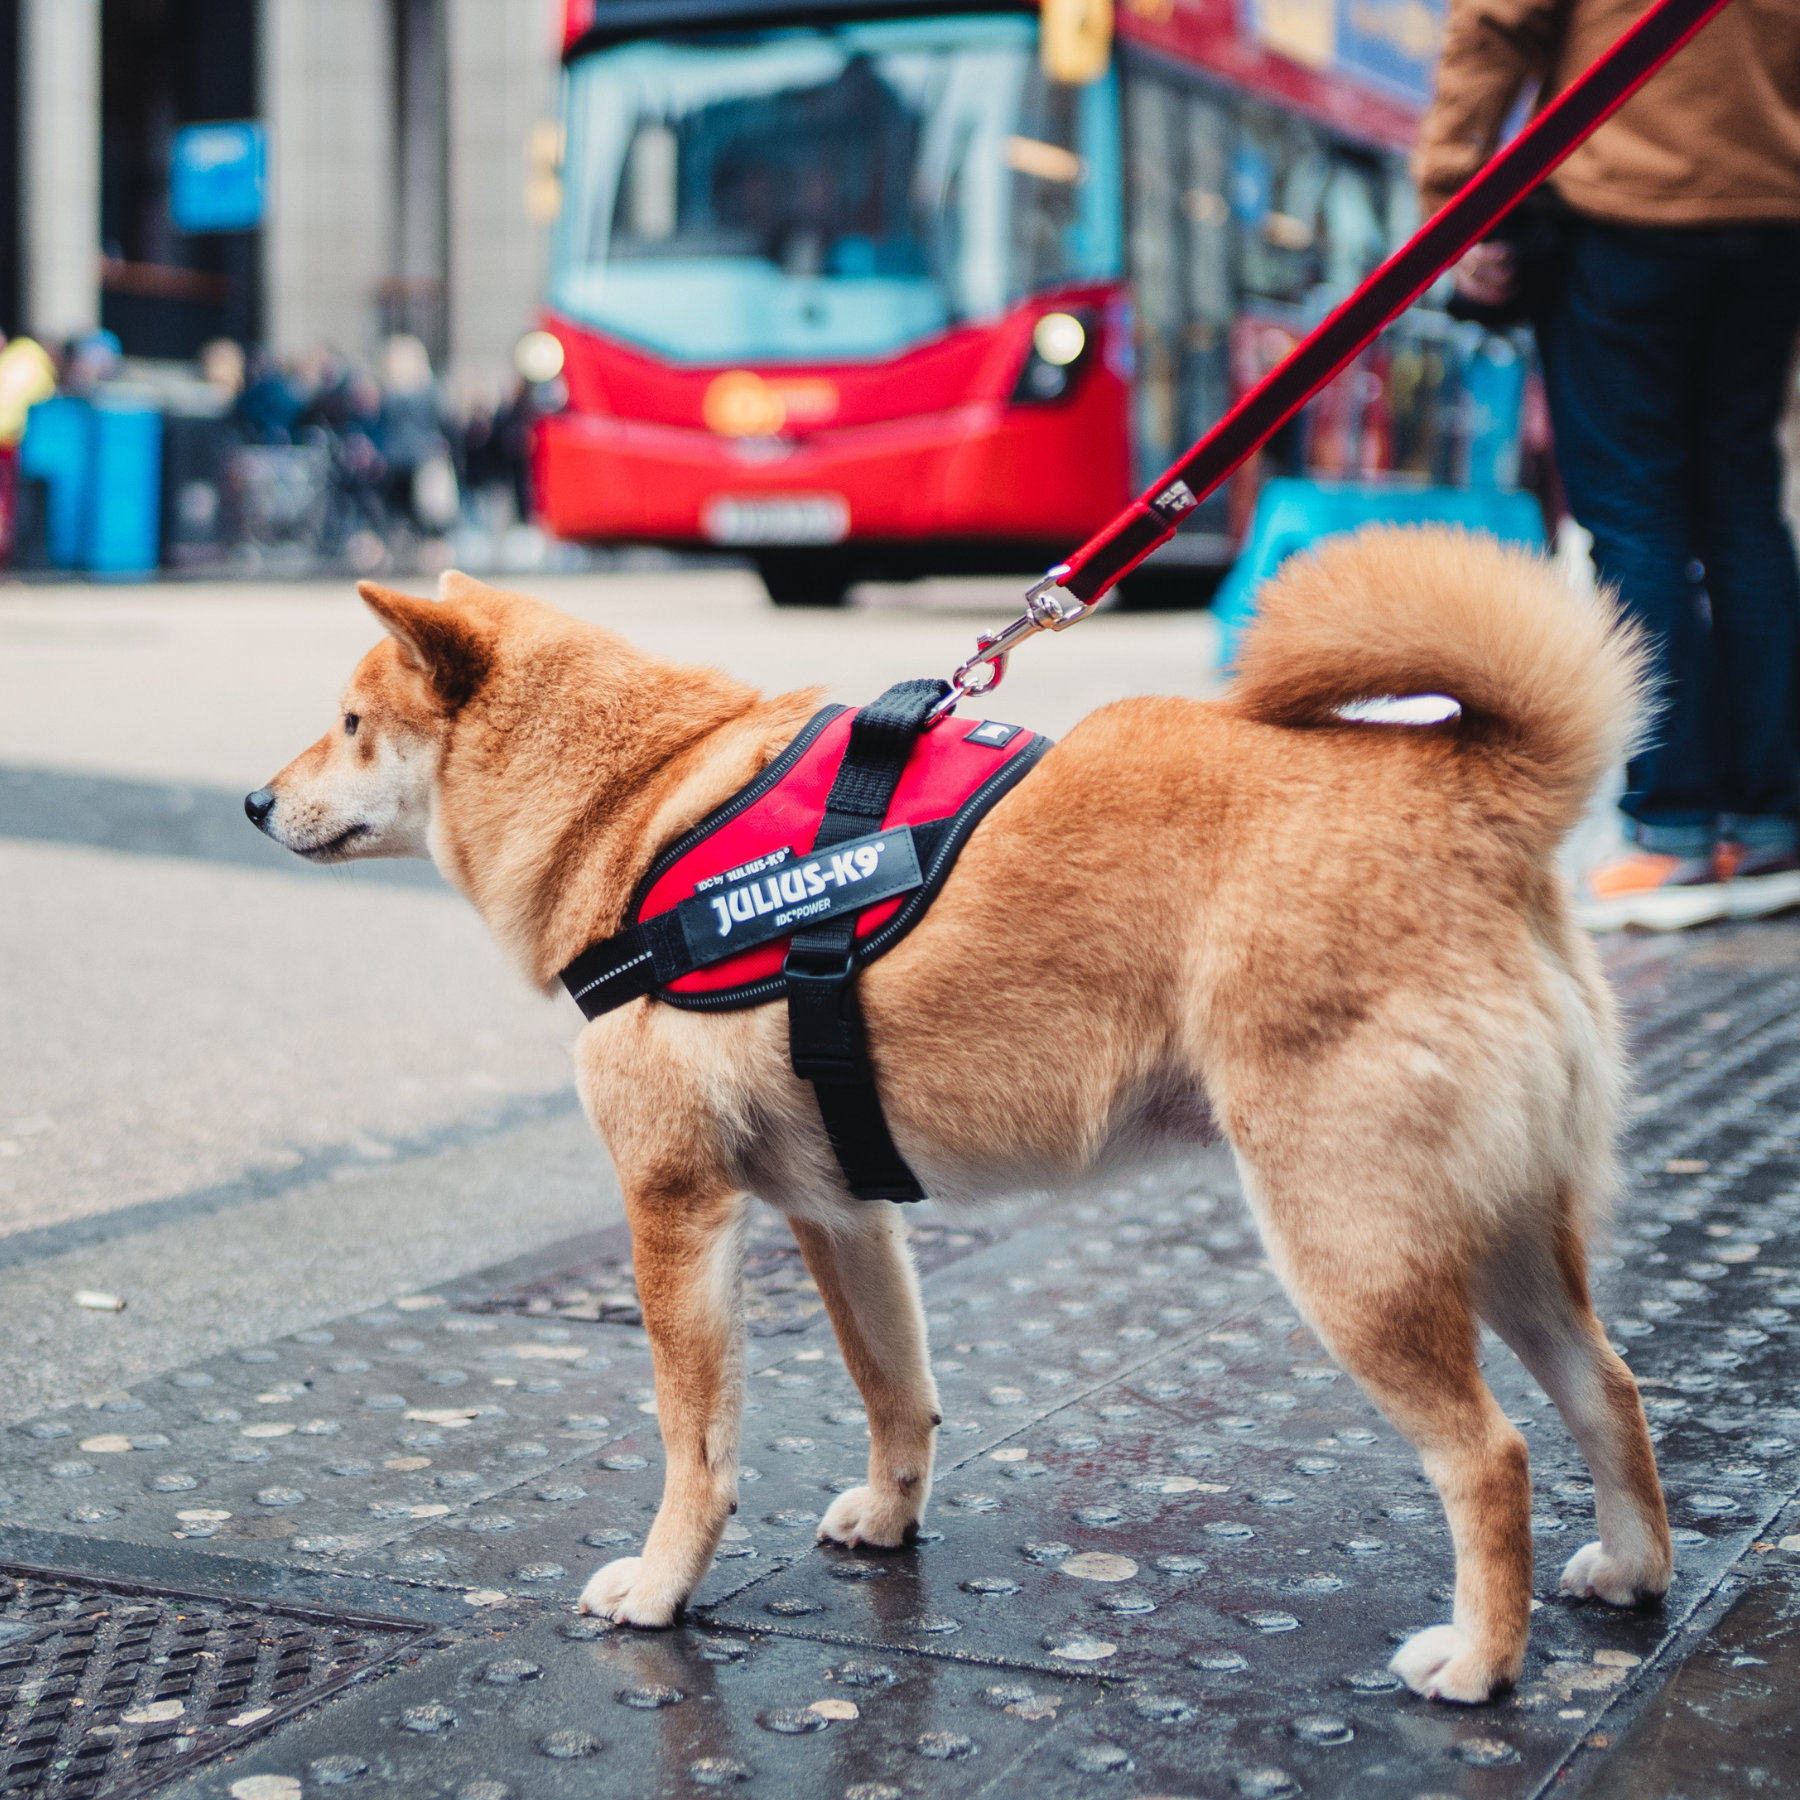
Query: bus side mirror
{"x": 1075, "y": 40}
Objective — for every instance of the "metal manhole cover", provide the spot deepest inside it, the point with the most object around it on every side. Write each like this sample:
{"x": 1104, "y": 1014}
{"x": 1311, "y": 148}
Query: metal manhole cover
{"x": 112, "y": 1689}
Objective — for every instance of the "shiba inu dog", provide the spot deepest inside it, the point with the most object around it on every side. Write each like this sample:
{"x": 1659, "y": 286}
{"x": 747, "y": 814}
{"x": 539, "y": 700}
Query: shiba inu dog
{"x": 1342, "y": 946}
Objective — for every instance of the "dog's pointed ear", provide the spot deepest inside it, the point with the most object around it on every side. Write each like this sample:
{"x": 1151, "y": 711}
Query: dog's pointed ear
{"x": 455, "y": 588}
{"x": 447, "y": 645}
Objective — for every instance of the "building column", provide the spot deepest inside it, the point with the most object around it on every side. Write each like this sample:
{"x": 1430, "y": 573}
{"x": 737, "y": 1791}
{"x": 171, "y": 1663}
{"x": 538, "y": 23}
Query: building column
{"x": 504, "y": 71}
{"x": 328, "y": 98}
{"x": 61, "y": 175}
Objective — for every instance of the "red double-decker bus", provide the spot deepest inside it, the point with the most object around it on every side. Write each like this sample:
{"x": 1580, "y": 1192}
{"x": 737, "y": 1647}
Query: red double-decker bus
{"x": 860, "y": 289}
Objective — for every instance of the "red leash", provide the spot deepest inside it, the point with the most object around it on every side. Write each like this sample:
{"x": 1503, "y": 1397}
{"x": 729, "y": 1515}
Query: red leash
{"x": 1070, "y": 591}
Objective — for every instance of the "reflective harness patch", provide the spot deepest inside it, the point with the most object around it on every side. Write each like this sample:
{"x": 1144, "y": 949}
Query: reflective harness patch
{"x": 804, "y": 876}
{"x": 752, "y": 907}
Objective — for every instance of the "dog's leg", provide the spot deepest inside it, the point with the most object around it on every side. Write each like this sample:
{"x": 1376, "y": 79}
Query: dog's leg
{"x": 688, "y": 1251}
{"x": 1536, "y": 1297}
{"x": 1403, "y": 1325}
{"x": 871, "y": 1290}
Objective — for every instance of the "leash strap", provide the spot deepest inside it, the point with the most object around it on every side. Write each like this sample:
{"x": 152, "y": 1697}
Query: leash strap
{"x": 826, "y": 1039}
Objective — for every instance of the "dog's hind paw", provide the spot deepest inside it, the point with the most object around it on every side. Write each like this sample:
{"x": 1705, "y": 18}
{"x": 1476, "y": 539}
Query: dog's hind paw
{"x": 1440, "y": 1663}
{"x": 863, "y": 1516}
{"x": 1593, "y": 1574}
{"x": 628, "y": 1593}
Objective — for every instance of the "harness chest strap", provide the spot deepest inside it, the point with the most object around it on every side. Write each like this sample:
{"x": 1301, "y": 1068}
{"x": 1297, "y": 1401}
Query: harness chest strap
{"x": 862, "y": 884}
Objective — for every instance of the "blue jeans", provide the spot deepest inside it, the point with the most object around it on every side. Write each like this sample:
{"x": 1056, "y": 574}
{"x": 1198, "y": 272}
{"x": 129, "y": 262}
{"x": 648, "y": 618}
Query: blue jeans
{"x": 1665, "y": 356}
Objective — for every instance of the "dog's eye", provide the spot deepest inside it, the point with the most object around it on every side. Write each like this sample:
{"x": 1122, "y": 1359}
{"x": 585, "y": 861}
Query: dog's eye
{"x": 351, "y": 721}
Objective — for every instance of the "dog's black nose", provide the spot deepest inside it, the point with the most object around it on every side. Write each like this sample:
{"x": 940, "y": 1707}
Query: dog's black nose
{"x": 258, "y": 806}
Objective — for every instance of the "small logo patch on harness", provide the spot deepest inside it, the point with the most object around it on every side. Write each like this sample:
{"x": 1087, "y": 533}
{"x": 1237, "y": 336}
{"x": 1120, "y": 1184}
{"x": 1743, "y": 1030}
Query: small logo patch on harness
{"x": 755, "y": 866}
{"x": 724, "y": 920}
{"x": 993, "y": 735}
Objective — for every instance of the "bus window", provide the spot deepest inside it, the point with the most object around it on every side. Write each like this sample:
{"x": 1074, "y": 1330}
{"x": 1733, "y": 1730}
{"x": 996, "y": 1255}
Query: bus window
{"x": 1353, "y": 240}
{"x": 1279, "y": 175}
{"x": 1178, "y": 145}
{"x": 1206, "y": 214}
{"x": 1156, "y": 267}
{"x": 1064, "y": 201}
{"x": 810, "y": 194}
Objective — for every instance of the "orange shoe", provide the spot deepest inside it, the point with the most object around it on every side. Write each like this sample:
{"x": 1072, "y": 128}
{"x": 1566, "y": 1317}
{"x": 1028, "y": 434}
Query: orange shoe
{"x": 1650, "y": 890}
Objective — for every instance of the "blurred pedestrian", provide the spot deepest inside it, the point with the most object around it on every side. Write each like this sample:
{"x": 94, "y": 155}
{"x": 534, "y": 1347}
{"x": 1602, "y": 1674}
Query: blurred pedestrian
{"x": 90, "y": 360}
{"x": 223, "y": 367}
{"x": 1666, "y": 297}
{"x": 27, "y": 375}
{"x": 497, "y": 445}
{"x": 343, "y": 417}
{"x": 514, "y": 430}
{"x": 269, "y": 406}
{"x": 421, "y": 475}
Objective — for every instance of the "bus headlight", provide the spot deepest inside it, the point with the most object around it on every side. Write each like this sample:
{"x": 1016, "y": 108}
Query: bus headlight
{"x": 1059, "y": 347}
{"x": 1059, "y": 338}
{"x": 538, "y": 356}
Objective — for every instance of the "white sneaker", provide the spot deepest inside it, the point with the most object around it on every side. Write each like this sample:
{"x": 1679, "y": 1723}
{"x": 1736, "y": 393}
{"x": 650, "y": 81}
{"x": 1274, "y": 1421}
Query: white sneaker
{"x": 1756, "y": 886}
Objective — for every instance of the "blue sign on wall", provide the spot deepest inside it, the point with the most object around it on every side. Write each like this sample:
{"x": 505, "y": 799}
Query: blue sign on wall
{"x": 216, "y": 176}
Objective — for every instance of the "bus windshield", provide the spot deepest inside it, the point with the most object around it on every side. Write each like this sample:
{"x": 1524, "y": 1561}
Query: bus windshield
{"x": 809, "y": 194}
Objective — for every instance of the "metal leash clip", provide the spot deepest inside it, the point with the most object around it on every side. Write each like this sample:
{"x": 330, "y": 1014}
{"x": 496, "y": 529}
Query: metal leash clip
{"x": 1049, "y": 606}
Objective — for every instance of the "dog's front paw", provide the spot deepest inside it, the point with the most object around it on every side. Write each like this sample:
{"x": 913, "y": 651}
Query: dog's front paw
{"x": 862, "y": 1516}
{"x": 629, "y": 1592}
{"x": 1440, "y": 1663}
{"x": 1593, "y": 1574}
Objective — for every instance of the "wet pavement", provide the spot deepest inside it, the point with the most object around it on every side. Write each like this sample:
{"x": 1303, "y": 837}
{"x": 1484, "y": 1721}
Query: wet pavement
{"x": 1170, "y": 1551}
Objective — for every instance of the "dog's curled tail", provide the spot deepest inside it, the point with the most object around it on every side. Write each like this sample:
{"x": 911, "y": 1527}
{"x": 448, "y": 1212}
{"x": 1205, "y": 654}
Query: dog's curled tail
{"x": 1551, "y": 682}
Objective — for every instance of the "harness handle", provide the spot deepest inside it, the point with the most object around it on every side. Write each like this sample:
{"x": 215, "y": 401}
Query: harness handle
{"x": 1071, "y": 590}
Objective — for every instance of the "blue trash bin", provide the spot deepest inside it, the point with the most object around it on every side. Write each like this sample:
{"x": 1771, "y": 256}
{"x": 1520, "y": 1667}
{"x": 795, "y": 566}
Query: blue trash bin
{"x": 1293, "y": 515}
{"x": 124, "y": 525}
{"x": 58, "y": 450}
{"x": 102, "y": 461}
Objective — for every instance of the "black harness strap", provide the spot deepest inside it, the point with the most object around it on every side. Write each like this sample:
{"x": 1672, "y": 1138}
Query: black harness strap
{"x": 826, "y": 1040}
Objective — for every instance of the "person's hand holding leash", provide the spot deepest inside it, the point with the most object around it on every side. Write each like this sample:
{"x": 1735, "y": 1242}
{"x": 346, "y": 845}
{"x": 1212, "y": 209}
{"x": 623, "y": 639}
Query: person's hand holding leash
{"x": 1487, "y": 274}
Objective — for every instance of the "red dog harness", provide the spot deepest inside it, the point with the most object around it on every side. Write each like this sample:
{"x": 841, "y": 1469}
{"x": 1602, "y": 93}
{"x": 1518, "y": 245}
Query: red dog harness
{"x": 821, "y": 864}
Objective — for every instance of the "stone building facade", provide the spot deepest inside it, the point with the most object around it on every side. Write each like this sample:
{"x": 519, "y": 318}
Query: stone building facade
{"x": 406, "y": 142}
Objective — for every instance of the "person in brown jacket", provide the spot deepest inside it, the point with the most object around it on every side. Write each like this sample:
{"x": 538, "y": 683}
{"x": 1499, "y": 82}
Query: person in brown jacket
{"x": 1666, "y": 317}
